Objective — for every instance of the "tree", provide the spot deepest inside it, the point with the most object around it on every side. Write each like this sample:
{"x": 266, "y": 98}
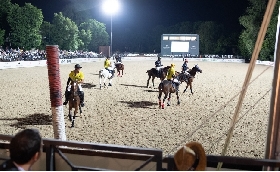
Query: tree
{"x": 45, "y": 31}
{"x": 99, "y": 36}
{"x": 267, "y": 52}
{"x": 251, "y": 23}
{"x": 64, "y": 33}
{"x": 5, "y": 6}
{"x": 2, "y": 33}
{"x": 85, "y": 37}
{"x": 25, "y": 25}
{"x": 76, "y": 12}
{"x": 211, "y": 39}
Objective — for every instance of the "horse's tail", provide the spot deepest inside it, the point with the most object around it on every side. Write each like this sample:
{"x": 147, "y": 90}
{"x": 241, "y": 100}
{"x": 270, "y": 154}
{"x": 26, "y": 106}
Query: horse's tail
{"x": 160, "y": 86}
{"x": 100, "y": 73}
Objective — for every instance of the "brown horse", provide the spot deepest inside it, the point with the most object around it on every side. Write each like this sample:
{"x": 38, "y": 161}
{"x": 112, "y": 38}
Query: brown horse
{"x": 120, "y": 67}
{"x": 167, "y": 88}
{"x": 74, "y": 102}
{"x": 182, "y": 77}
{"x": 154, "y": 73}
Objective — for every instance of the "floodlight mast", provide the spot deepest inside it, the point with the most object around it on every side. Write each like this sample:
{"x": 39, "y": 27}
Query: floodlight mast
{"x": 111, "y": 7}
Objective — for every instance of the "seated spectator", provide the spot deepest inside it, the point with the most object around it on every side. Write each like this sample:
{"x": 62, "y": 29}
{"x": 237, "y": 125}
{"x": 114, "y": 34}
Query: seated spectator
{"x": 25, "y": 150}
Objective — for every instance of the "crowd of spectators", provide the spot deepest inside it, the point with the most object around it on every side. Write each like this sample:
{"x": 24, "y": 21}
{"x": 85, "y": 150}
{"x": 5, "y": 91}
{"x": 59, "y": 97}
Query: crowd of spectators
{"x": 9, "y": 55}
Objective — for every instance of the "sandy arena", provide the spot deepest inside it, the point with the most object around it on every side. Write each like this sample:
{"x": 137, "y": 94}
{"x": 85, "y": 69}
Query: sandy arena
{"x": 127, "y": 113}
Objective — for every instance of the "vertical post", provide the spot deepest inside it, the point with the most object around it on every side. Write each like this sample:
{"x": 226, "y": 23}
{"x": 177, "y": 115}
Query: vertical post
{"x": 273, "y": 133}
{"x": 55, "y": 92}
{"x": 111, "y": 47}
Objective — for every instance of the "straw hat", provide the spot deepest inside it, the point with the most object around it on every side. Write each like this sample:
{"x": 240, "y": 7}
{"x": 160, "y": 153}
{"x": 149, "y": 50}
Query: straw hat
{"x": 191, "y": 157}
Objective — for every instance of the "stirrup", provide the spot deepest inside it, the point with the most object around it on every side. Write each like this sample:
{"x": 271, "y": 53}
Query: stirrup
{"x": 65, "y": 103}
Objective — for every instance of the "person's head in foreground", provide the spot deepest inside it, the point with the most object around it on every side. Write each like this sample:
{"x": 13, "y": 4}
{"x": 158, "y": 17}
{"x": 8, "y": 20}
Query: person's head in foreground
{"x": 25, "y": 150}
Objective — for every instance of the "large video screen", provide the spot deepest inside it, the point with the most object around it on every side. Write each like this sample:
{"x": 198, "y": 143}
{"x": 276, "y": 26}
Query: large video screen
{"x": 179, "y": 47}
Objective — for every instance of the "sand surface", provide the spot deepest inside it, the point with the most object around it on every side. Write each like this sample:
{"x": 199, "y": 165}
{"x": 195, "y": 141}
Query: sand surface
{"x": 127, "y": 113}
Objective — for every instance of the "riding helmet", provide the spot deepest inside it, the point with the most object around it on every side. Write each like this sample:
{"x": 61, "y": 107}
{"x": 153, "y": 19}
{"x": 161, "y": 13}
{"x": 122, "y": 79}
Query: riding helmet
{"x": 172, "y": 64}
{"x": 77, "y": 66}
{"x": 186, "y": 60}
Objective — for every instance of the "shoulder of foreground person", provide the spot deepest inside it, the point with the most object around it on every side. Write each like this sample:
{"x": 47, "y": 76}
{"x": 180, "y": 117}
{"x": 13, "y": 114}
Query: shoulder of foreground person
{"x": 8, "y": 166}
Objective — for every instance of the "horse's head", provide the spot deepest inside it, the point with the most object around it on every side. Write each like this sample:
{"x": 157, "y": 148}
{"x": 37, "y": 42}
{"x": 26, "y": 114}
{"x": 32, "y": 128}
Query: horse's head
{"x": 165, "y": 69}
{"x": 197, "y": 69}
{"x": 74, "y": 87}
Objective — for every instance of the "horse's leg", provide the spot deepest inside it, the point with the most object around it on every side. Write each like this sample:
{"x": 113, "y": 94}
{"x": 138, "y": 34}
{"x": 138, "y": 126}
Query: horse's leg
{"x": 70, "y": 115}
{"x": 191, "y": 87}
{"x": 153, "y": 79}
{"x": 186, "y": 87}
{"x": 178, "y": 101}
{"x": 110, "y": 82}
{"x": 73, "y": 121}
{"x": 104, "y": 81}
{"x": 165, "y": 96}
{"x": 168, "y": 100}
{"x": 100, "y": 80}
{"x": 122, "y": 72}
{"x": 80, "y": 109}
{"x": 148, "y": 81}
{"x": 159, "y": 98}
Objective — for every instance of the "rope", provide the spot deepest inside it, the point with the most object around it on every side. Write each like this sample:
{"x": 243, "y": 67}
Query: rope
{"x": 258, "y": 45}
{"x": 241, "y": 117}
{"x": 222, "y": 107}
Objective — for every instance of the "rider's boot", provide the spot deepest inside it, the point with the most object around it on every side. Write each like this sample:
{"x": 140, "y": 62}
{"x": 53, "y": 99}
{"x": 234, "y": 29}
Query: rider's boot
{"x": 67, "y": 94}
{"x": 113, "y": 72}
{"x": 82, "y": 96}
{"x": 177, "y": 88}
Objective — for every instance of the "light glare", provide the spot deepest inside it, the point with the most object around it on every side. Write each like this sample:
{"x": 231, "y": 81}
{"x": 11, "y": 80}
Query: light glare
{"x": 110, "y": 6}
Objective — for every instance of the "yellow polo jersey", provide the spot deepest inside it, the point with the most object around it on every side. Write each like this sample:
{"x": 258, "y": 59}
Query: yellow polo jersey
{"x": 107, "y": 63}
{"x": 76, "y": 77}
{"x": 170, "y": 73}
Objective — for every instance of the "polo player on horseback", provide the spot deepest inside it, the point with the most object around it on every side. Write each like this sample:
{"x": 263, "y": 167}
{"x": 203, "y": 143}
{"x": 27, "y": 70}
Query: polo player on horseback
{"x": 75, "y": 75}
{"x": 171, "y": 76}
{"x": 185, "y": 67}
{"x": 118, "y": 59}
{"x": 158, "y": 65}
{"x": 107, "y": 64}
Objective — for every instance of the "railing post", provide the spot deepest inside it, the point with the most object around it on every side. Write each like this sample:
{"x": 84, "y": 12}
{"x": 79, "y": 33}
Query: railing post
{"x": 50, "y": 160}
{"x": 159, "y": 161}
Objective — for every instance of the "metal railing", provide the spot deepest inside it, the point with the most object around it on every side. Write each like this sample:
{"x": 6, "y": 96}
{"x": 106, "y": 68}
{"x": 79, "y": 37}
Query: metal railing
{"x": 145, "y": 156}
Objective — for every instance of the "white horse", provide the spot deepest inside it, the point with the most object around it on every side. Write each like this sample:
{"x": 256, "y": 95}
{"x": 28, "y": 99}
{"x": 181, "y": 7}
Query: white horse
{"x": 107, "y": 75}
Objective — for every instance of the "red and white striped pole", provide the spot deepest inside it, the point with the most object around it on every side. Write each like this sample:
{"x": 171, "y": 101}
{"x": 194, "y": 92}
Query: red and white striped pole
{"x": 55, "y": 92}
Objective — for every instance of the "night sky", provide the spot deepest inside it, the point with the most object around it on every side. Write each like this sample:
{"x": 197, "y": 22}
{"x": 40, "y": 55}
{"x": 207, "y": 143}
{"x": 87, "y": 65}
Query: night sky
{"x": 152, "y": 12}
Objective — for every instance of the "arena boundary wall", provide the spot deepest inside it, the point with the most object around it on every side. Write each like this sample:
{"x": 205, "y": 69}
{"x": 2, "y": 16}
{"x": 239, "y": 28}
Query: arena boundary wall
{"x": 24, "y": 64}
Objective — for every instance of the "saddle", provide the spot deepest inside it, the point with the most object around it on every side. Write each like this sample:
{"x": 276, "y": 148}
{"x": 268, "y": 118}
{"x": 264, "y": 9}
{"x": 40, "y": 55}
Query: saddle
{"x": 175, "y": 84}
{"x": 159, "y": 71}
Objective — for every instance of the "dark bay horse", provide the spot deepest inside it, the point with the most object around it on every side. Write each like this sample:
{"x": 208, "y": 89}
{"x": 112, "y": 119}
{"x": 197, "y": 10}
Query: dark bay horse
{"x": 119, "y": 67}
{"x": 167, "y": 88}
{"x": 153, "y": 73}
{"x": 74, "y": 102}
{"x": 182, "y": 77}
